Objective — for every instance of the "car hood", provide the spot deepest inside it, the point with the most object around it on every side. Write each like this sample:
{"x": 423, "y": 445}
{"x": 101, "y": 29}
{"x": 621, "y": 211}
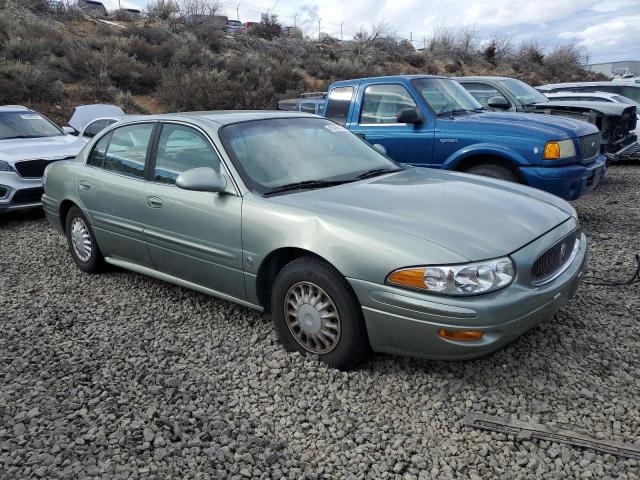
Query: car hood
{"x": 547, "y": 126}
{"x": 62, "y": 146}
{"x": 606, "y": 108}
{"x": 476, "y": 217}
{"x": 85, "y": 114}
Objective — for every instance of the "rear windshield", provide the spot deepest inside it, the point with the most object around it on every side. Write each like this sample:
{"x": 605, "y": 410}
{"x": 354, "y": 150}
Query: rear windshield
{"x": 26, "y": 124}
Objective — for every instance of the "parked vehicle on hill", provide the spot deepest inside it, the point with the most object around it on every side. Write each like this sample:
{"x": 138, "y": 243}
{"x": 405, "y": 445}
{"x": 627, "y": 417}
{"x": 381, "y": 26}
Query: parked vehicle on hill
{"x": 616, "y": 122}
{"x": 29, "y": 142}
{"x": 606, "y": 97}
{"x": 348, "y": 250}
{"x": 626, "y": 88}
{"x": 93, "y": 7}
{"x": 433, "y": 122}
{"x": 234, "y": 26}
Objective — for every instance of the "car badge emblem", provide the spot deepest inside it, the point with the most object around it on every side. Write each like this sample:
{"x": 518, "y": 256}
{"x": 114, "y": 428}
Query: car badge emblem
{"x": 563, "y": 252}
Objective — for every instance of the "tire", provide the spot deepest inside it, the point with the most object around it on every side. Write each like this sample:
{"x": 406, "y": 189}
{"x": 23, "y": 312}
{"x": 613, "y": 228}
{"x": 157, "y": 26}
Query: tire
{"x": 340, "y": 338}
{"x": 90, "y": 261}
{"x": 494, "y": 171}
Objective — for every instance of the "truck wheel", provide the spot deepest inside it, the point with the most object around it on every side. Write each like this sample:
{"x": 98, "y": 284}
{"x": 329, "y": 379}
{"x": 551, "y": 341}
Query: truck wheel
{"x": 82, "y": 243}
{"x": 316, "y": 312}
{"x": 494, "y": 171}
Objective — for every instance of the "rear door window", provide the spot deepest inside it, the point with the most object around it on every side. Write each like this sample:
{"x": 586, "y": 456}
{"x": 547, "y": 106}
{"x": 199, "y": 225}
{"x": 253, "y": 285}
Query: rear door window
{"x": 338, "y": 104}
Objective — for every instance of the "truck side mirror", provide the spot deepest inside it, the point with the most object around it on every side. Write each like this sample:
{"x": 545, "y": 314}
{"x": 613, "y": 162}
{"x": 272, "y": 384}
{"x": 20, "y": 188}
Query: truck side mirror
{"x": 498, "y": 102}
{"x": 410, "y": 115}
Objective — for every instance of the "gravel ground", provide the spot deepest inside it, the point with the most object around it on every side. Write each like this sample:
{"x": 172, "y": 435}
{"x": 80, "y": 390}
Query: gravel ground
{"x": 121, "y": 376}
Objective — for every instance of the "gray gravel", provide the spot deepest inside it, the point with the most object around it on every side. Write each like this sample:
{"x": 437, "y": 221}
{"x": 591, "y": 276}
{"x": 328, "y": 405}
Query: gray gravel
{"x": 121, "y": 376}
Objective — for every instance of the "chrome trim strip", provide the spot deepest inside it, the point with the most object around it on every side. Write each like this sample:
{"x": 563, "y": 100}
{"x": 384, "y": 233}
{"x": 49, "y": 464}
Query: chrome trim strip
{"x": 178, "y": 281}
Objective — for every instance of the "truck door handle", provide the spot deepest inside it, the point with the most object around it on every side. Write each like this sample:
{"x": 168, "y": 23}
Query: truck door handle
{"x": 361, "y": 135}
{"x": 85, "y": 185}
{"x": 154, "y": 202}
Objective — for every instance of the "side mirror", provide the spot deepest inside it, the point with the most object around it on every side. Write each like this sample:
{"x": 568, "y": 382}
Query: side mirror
{"x": 70, "y": 130}
{"x": 202, "y": 179}
{"x": 410, "y": 115}
{"x": 498, "y": 102}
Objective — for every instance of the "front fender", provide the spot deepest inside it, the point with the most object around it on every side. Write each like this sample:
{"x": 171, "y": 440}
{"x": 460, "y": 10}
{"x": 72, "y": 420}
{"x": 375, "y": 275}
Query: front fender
{"x": 485, "y": 149}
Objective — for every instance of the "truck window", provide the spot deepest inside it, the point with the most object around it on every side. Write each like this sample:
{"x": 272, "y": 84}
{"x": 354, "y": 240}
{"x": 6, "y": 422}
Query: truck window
{"x": 338, "y": 104}
{"x": 481, "y": 92}
{"x": 382, "y": 103}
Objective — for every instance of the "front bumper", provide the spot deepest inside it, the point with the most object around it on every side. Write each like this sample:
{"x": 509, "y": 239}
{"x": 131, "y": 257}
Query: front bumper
{"x": 403, "y": 322}
{"x": 17, "y": 193}
{"x": 567, "y": 181}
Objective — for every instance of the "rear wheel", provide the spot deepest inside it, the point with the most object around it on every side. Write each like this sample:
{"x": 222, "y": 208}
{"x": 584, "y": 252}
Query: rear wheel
{"x": 494, "y": 171}
{"x": 315, "y": 312}
{"x": 82, "y": 243}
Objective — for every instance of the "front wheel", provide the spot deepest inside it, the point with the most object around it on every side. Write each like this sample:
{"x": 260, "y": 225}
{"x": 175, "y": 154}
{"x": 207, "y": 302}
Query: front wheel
{"x": 82, "y": 243}
{"x": 316, "y": 312}
{"x": 494, "y": 171}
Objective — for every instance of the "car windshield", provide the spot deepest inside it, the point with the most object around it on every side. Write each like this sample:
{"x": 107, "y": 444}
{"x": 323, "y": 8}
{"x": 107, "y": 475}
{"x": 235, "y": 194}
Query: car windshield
{"x": 26, "y": 124}
{"x": 445, "y": 96}
{"x": 274, "y": 154}
{"x": 525, "y": 94}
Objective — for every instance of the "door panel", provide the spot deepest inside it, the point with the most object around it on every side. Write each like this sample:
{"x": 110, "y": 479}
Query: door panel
{"x": 114, "y": 198}
{"x": 192, "y": 235}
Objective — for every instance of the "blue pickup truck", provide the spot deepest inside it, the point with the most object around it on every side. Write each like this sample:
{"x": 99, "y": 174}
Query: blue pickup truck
{"x": 432, "y": 121}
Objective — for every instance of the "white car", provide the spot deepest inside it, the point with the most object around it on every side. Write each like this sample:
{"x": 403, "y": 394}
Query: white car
{"x": 596, "y": 97}
{"x": 29, "y": 142}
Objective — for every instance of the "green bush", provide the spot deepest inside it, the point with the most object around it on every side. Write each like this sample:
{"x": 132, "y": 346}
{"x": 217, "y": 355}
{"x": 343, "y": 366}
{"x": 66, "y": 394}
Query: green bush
{"x": 20, "y": 82}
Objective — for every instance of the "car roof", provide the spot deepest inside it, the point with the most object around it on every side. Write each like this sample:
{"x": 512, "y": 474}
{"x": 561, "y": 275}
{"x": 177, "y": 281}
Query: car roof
{"x": 483, "y": 77}
{"x": 14, "y": 108}
{"x": 385, "y": 78}
{"x": 226, "y": 117}
{"x": 588, "y": 84}
{"x": 569, "y": 93}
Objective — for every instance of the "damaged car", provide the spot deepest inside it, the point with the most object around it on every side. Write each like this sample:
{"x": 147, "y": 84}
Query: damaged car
{"x": 616, "y": 122}
{"x": 29, "y": 142}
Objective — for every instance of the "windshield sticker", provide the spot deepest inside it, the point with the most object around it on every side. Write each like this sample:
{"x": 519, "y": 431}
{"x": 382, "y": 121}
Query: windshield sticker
{"x": 335, "y": 128}
{"x": 31, "y": 116}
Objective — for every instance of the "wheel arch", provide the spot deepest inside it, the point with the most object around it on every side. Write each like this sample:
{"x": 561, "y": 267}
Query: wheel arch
{"x": 65, "y": 206}
{"x": 477, "y": 158}
{"x": 272, "y": 264}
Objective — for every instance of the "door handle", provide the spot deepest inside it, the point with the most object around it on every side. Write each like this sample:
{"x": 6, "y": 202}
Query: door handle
{"x": 154, "y": 202}
{"x": 361, "y": 135}
{"x": 85, "y": 185}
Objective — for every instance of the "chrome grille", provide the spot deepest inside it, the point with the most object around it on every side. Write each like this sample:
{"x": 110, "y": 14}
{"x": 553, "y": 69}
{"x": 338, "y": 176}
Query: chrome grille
{"x": 555, "y": 260}
{"x": 589, "y": 146}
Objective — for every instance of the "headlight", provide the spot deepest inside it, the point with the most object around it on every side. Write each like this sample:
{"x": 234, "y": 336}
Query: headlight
{"x": 557, "y": 150}
{"x": 467, "y": 279}
{"x": 4, "y": 166}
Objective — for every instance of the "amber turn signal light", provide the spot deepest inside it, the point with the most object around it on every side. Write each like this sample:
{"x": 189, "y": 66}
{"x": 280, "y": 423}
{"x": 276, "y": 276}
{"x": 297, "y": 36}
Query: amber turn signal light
{"x": 461, "y": 335}
{"x": 551, "y": 151}
{"x": 410, "y": 277}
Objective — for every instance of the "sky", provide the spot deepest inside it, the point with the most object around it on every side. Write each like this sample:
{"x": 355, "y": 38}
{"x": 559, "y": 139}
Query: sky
{"x": 610, "y": 29}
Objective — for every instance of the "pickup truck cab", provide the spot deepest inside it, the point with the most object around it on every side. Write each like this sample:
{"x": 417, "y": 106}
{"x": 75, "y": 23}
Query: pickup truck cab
{"x": 432, "y": 121}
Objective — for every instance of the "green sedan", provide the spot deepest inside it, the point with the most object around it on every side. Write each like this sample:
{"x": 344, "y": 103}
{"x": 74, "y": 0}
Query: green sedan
{"x": 291, "y": 214}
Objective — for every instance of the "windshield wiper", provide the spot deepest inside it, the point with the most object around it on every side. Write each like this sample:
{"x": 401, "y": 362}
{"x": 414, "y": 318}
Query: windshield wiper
{"x": 306, "y": 184}
{"x": 374, "y": 172}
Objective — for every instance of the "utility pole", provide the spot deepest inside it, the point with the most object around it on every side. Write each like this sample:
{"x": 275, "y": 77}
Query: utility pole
{"x": 295, "y": 25}
{"x": 411, "y": 38}
{"x": 119, "y": 5}
{"x": 238, "y": 11}
{"x": 318, "y": 29}
{"x": 424, "y": 41}
{"x": 341, "y": 39}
